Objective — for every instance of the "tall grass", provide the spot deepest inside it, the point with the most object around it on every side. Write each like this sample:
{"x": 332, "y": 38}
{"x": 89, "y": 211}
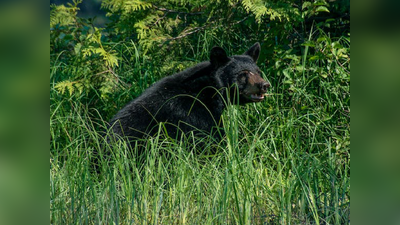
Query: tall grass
{"x": 283, "y": 161}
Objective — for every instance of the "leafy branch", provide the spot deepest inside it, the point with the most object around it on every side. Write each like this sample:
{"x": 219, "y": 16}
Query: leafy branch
{"x": 197, "y": 29}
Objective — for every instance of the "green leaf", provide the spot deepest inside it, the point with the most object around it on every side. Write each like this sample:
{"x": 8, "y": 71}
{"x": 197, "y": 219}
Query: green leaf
{"x": 300, "y": 68}
{"x": 324, "y": 75}
{"x": 309, "y": 44}
{"x": 77, "y": 48}
{"x": 306, "y": 5}
{"x": 322, "y": 9}
{"x": 321, "y": 39}
{"x": 286, "y": 73}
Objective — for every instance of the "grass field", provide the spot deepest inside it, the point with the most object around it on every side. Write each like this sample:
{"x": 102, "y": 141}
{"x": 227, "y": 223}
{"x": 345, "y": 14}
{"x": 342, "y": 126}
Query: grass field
{"x": 283, "y": 161}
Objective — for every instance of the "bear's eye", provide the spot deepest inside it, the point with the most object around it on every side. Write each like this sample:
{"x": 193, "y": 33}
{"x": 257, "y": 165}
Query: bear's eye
{"x": 242, "y": 76}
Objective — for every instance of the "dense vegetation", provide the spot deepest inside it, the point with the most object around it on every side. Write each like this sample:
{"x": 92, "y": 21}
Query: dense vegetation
{"x": 283, "y": 161}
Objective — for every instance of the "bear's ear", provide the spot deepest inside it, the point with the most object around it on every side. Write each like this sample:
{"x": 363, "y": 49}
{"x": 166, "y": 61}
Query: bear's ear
{"x": 254, "y": 51}
{"x": 218, "y": 56}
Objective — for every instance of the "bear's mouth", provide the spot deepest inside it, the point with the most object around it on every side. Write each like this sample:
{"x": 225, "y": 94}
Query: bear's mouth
{"x": 257, "y": 97}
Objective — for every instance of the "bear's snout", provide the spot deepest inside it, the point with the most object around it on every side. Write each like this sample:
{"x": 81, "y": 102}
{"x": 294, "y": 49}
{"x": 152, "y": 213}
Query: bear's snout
{"x": 264, "y": 86}
{"x": 256, "y": 88}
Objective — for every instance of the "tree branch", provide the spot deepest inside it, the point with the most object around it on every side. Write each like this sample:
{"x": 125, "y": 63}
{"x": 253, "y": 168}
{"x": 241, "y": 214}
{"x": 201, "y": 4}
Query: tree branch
{"x": 173, "y": 11}
{"x": 197, "y": 29}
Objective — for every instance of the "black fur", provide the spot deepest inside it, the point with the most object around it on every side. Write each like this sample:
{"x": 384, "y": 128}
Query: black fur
{"x": 192, "y": 100}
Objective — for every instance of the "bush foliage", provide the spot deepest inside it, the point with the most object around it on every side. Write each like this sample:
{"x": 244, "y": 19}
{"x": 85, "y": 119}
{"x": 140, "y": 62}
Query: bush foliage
{"x": 175, "y": 33}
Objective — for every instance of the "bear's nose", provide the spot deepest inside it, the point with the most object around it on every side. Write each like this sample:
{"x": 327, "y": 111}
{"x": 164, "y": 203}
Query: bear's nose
{"x": 265, "y": 86}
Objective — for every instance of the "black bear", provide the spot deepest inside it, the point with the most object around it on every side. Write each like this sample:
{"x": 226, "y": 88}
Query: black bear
{"x": 193, "y": 100}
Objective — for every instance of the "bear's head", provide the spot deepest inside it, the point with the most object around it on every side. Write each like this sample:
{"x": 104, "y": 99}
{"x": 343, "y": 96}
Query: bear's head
{"x": 240, "y": 74}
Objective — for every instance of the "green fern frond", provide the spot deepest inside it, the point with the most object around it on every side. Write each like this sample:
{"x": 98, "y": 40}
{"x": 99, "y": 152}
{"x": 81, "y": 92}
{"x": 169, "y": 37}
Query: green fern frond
{"x": 261, "y": 9}
{"x": 65, "y": 85}
{"x": 126, "y": 6}
{"x": 64, "y": 15}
